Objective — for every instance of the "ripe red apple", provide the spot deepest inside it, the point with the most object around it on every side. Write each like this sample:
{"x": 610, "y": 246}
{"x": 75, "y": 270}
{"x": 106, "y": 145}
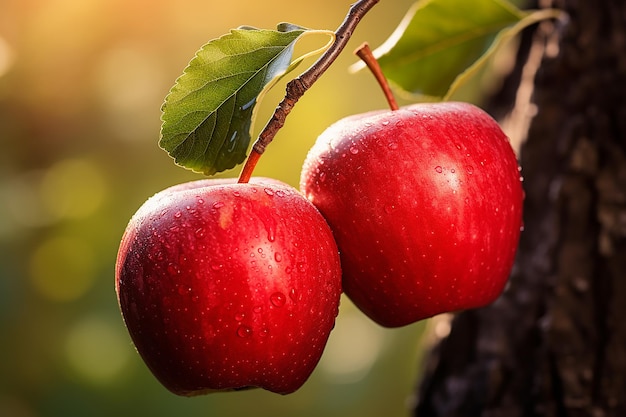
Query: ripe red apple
{"x": 425, "y": 203}
{"x": 228, "y": 286}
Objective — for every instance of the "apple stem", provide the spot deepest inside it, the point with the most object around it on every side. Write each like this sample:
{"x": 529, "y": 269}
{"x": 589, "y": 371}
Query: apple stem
{"x": 365, "y": 53}
{"x": 246, "y": 172}
{"x": 298, "y": 86}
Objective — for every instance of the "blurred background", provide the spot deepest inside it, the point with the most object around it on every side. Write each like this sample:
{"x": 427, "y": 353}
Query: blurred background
{"x": 81, "y": 85}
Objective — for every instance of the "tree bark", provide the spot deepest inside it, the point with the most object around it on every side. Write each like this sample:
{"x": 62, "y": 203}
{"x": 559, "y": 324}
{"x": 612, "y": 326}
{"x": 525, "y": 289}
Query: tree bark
{"x": 554, "y": 344}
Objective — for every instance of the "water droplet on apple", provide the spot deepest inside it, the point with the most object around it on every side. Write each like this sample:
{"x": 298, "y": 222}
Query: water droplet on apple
{"x": 178, "y": 214}
{"x": 199, "y": 232}
{"x": 389, "y": 209}
{"x": 244, "y": 331}
{"x": 173, "y": 269}
{"x": 257, "y": 309}
{"x": 470, "y": 169}
{"x": 278, "y": 257}
{"x": 438, "y": 169}
{"x": 182, "y": 290}
{"x": 354, "y": 150}
{"x": 264, "y": 332}
{"x": 269, "y": 191}
{"x": 236, "y": 193}
{"x": 393, "y": 145}
{"x": 295, "y": 295}
{"x": 400, "y": 123}
{"x": 271, "y": 233}
{"x": 200, "y": 200}
{"x": 218, "y": 204}
{"x": 216, "y": 266}
{"x": 385, "y": 122}
{"x": 240, "y": 316}
{"x": 453, "y": 170}
{"x": 302, "y": 267}
{"x": 278, "y": 299}
{"x": 322, "y": 176}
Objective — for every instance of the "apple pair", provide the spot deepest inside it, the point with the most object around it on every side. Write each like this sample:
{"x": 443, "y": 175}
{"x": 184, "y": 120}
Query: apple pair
{"x": 227, "y": 286}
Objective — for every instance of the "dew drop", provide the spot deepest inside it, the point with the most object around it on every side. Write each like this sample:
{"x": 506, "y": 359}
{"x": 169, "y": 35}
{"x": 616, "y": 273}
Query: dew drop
{"x": 218, "y": 204}
{"x": 453, "y": 170}
{"x": 386, "y": 123}
{"x": 278, "y": 299}
{"x": 199, "y": 232}
{"x": 458, "y": 146}
{"x": 173, "y": 269}
{"x": 257, "y": 309}
{"x": 269, "y": 191}
{"x": 278, "y": 257}
{"x": 354, "y": 150}
{"x": 302, "y": 267}
{"x": 438, "y": 169}
{"x": 178, "y": 214}
{"x": 322, "y": 176}
{"x": 216, "y": 266}
{"x": 244, "y": 331}
{"x": 182, "y": 290}
{"x": 393, "y": 145}
{"x": 295, "y": 295}
{"x": 271, "y": 233}
{"x": 240, "y": 316}
{"x": 470, "y": 169}
{"x": 389, "y": 209}
{"x": 264, "y": 332}
{"x": 200, "y": 200}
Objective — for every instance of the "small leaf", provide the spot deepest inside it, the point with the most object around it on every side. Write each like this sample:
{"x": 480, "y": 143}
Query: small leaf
{"x": 439, "y": 40}
{"x": 208, "y": 113}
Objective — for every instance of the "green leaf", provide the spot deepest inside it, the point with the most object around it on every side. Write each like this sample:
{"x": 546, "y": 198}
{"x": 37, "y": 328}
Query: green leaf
{"x": 440, "y": 42}
{"x": 207, "y": 115}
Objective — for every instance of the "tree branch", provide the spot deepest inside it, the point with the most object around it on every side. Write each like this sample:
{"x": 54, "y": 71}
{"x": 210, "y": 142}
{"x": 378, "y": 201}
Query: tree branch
{"x": 298, "y": 86}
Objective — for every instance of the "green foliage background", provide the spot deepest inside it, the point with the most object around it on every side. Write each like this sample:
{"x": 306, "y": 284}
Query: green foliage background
{"x": 81, "y": 86}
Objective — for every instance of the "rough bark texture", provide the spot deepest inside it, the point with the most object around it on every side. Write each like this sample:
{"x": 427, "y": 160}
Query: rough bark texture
{"x": 555, "y": 343}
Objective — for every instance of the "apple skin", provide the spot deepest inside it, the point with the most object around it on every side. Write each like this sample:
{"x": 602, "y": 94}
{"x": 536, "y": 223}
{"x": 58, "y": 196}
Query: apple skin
{"x": 226, "y": 286}
{"x": 425, "y": 203}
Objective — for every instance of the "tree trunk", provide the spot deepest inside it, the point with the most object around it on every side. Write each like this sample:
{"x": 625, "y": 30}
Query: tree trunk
{"x": 554, "y": 344}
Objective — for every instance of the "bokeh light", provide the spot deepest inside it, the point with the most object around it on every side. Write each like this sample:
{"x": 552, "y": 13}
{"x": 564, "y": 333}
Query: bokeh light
{"x": 73, "y": 188}
{"x": 62, "y": 268}
{"x": 96, "y": 350}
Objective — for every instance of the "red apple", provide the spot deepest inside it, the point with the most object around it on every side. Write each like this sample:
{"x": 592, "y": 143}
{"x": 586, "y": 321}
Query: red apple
{"x": 228, "y": 286}
{"x": 425, "y": 203}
